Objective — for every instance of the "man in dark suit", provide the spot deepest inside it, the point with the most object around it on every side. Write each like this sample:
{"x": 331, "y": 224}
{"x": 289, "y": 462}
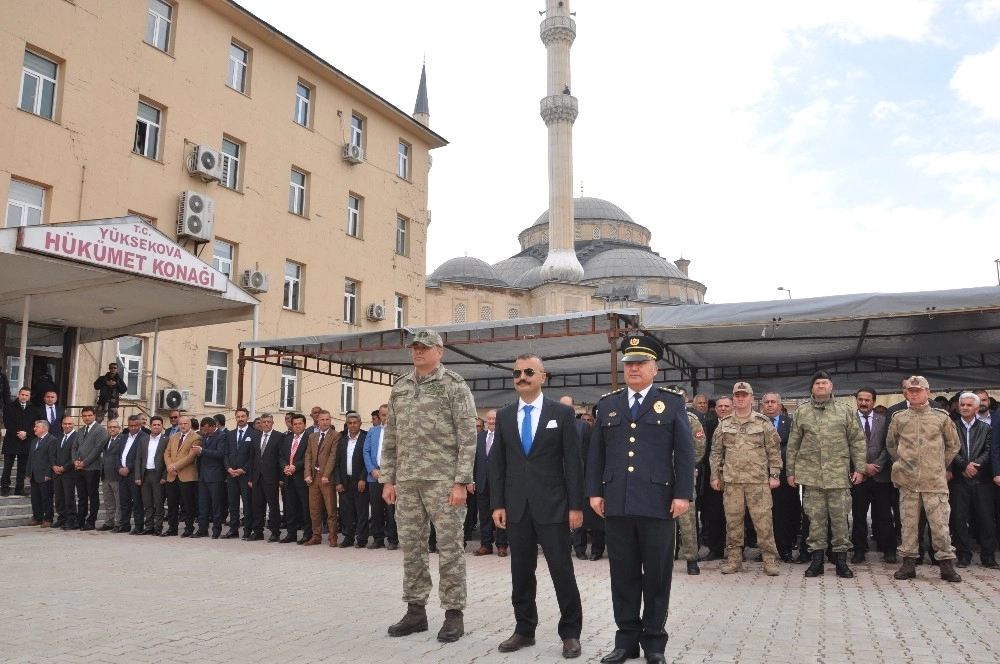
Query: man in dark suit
{"x": 151, "y": 475}
{"x": 88, "y": 444}
{"x": 53, "y": 411}
{"x": 211, "y": 478}
{"x": 349, "y": 476}
{"x": 41, "y": 458}
{"x": 240, "y": 445}
{"x": 970, "y": 485}
{"x": 64, "y": 478}
{"x": 536, "y": 490}
{"x": 292, "y": 459}
{"x": 129, "y": 493}
{"x": 19, "y": 418}
{"x": 488, "y": 533}
{"x": 593, "y": 525}
{"x": 874, "y": 491}
{"x": 785, "y": 507}
{"x": 265, "y": 473}
{"x": 640, "y": 475}
{"x": 110, "y": 479}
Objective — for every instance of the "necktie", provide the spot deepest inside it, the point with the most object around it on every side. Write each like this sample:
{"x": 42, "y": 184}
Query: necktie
{"x": 526, "y": 429}
{"x": 489, "y": 442}
{"x": 52, "y": 416}
{"x": 181, "y": 444}
{"x": 65, "y": 438}
{"x": 637, "y": 399}
{"x": 295, "y": 446}
{"x": 239, "y": 437}
{"x": 868, "y": 427}
{"x": 319, "y": 445}
{"x": 263, "y": 443}
{"x": 37, "y": 443}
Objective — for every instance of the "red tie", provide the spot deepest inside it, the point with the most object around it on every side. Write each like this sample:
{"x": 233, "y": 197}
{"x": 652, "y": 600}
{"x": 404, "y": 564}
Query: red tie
{"x": 295, "y": 446}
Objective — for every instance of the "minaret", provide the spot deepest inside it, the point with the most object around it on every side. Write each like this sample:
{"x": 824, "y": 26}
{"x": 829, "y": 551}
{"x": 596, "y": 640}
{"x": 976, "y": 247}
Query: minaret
{"x": 421, "y": 111}
{"x": 559, "y": 110}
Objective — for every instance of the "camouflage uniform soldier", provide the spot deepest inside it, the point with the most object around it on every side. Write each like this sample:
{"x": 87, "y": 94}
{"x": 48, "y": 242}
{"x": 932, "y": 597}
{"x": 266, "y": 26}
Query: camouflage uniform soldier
{"x": 428, "y": 452}
{"x": 922, "y": 441}
{"x": 688, "y": 522}
{"x": 824, "y": 442}
{"x": 746, "y": 465}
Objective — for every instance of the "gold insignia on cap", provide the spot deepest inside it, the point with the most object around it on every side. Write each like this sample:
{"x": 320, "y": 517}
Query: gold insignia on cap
{"x": 659, "y": 407}
{"x": 634, "y": 341}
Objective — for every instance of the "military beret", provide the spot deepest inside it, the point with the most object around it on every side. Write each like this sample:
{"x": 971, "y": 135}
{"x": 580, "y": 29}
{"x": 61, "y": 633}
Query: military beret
{"x": 819, "y": 375}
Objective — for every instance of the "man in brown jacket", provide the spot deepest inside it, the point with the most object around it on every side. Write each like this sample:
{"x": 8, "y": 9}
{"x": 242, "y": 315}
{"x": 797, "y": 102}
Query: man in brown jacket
{"x": 182, "y": 477}
{"x": 321, "y": 455}
{"x": 922, "y": 441}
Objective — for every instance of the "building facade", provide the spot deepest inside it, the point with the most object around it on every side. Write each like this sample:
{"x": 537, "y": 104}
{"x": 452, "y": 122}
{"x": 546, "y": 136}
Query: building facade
{"x": 298, "y": 182}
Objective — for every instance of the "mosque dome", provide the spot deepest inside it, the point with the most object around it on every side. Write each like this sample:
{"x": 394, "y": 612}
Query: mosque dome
{"x": 466, "y": 270}
{"x": 529, "y": 279}
{"x": 511, "y": 268}
{"x": 591, "y": 208}
{"x": 626, "y": 262}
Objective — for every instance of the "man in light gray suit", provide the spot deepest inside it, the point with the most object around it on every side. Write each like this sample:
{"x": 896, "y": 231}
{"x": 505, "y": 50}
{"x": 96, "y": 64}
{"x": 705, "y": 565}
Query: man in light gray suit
{"x": 88, "y": 444}
{"x": 875, "y": 489}
{"x": 151, "y": 475}
{"x": 111, "y": 480}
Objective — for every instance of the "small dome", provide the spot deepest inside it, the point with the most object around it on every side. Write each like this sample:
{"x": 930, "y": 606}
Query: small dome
{"x": 511, "y": 268}
{"x": 467, "y": 270}
{"x": 591, "y": 208}
{"x": 529, "y": 279}
{"x": 625, "y": 262}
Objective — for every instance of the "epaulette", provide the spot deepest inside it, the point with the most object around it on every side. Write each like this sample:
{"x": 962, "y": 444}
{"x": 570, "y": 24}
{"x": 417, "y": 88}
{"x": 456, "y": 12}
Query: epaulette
{"x": 612, "y": 392}
{"x": 671, "y": 390}
{"x": 454, "y": 375}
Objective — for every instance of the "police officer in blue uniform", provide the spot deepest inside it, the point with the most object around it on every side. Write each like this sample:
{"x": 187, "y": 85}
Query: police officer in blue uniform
{"x": 640, "y": 473}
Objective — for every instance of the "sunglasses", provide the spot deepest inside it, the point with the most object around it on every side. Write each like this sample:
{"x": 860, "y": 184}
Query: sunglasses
{"x": 527, "y": 372}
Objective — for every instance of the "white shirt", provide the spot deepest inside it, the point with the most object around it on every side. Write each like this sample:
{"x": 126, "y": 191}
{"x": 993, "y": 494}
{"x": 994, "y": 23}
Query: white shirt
{"x": 536, "y": 413}
{"x": 128, "y": 446}
{"x": 985, "y": 418}
{"x": 151, "y": 452}
{"x": 352, "y": 443}
{"x": 642, "y": 398}
{"x": 376, "y": 440}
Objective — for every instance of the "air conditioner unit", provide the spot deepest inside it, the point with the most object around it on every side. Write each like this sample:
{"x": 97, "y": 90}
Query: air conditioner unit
{"x": 354, "y": 154}
{"x": 206, "y": 163}
{"x": 254, "y": 281}
{"x": 173, "y": 399}
{"x": 376, "y": 311}
{"x": 196, "y": 216}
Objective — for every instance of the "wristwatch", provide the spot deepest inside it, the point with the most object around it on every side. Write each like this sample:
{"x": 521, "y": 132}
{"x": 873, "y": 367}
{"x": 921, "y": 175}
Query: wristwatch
{"x": 776, "y": 476}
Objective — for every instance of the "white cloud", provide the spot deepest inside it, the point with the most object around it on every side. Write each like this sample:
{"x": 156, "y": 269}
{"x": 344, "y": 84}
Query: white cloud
{"x": 885, "y": 109}
{"x": 975, "y": 82}
{"x": 983, "y": 10}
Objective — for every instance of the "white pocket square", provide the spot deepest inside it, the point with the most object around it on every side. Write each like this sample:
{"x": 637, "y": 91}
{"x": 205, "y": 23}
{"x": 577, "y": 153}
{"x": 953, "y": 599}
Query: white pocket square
{"x": 552, "y": 425}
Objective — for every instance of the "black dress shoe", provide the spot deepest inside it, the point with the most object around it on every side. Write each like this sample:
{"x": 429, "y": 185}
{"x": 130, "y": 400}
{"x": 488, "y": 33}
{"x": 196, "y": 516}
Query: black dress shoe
{"x": 597, "y": 556}
{"x": 347, "y": 543}
{"x": 619, "y": 655}
{"x": 990, "y": 563}
{"x": 655, "y": 658}
{"x": 376, "y": 545}
{"x": 890, "y": 558}
{"x": 303, "y": 540}
{"x": 256, "y": 537}
{"x": 170, "y": 532}
{"x": 582, "y": 555}
{"x": 712, "y": 555}
{"x": 200, "y": 533}
{"x": 137, "y": 531}
{"x": 962, "y": 562}
{"x": 216, "y": 535}
{"x": 148, "y": 531}
{"x": 571, "y": 648}
{"x": 85, "y": 527}
{"x": 392, "y": 546}
{"x": 106, "y": 527}
{"x": 360, "y": 544}
{"x": 232, "y": 534}
{"x": 786, "y": 556}
{"x": 272, "y": 539}
{"x": 858, "y": 557}
{"x": 693, "y": 568}
{"x": 288, "y": 539}
{"x": 516, "y": 642}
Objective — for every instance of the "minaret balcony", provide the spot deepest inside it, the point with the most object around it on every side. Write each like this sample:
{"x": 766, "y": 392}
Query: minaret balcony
{"x": 558, "y": 28}
{"x": 559, "y": 108}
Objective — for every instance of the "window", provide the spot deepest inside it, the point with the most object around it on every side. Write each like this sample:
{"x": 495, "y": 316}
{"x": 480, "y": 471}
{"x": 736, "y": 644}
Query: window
{"x": 14, "y": 369}
{"x": 613, "y": 234}
{"x": 353, "y": 215}
{"x": 642, "y": 290}
{"x": 216, "y": 377}
{"x": 297, "y": 193}
{"x": 158, "y": 24}
{"x": 25, "y": 204}
{"x": 628, "y": 234}
{"x": 350, "y": 302}
{"x": 485, "y": 312}
{"x": 512, "y": 312}
{"x": 460, "y": 312}
{"x": 357, "y": 131}
{"x": 303, "y": 93}
{"x": 403, "y": 163}
{"x": 347, "y": 396}
{"x": 147, "y": 131}
{"x": 399, "y": 311}
{"x": 38, "y": 85}
{"x": 239, "y": 58}
{"x": 130, "y": 364}
{"x": 222, "y": 257}
{"x": 289, "y": 386}
{"x": 577, "y": 232}
{"x": 597, "y": 233}
{"x": 293, "y": 286}
{"x": 230, "y": 164}
{"x": 401, "y": 245}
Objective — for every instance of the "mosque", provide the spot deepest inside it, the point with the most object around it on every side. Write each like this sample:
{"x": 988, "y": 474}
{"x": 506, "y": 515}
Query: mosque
{"x": 582, "y": 254}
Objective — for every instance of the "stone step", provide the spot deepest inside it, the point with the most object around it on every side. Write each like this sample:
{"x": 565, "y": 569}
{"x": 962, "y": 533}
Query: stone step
{"x": 14, "y": 511}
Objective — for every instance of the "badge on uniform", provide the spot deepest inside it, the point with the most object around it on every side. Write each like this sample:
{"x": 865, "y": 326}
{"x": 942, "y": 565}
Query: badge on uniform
{"x": 612, "y": 414}
{"x": 659, "y": 407}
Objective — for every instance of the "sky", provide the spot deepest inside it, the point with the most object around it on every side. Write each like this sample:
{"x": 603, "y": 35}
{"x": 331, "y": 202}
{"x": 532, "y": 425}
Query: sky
{"x": 829, "y": 146}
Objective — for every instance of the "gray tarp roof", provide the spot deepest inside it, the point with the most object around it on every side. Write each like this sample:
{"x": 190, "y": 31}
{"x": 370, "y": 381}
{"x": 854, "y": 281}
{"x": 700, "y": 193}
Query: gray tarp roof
{"x": 952, "y": 337}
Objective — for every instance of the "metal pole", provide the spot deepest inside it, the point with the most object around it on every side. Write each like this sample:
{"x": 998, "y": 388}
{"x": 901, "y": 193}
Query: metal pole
{"x": 156, "y": 364}
{"x": 240, "y": 363}
{"x": 23, "y": 357}
{"x": 253, "y": 365}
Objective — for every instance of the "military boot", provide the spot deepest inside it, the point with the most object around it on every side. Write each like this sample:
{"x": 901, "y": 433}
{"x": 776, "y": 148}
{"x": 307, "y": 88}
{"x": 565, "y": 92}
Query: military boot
{"x": 816, "y": 567}
{"x": 453, "y": 627}
{"x": 908, "y": 570}
{"x": 735, "y": 562}
{"x": 414, "y": 621}
{"x": 843, "y": 571}
{"x": 770, "y": 566}
{"x": 948, "y": 572}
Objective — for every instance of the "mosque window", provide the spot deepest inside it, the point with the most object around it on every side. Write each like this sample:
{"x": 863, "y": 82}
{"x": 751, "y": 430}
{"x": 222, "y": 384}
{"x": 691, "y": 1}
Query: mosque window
{"x": 485, "y": 312}
{"x": 512, "y": 312}
{"x": 578, "y": 233}
{"x": 614, "y": 233}
{"x": 460, "y": 312}
{"x": 597, "y": 232}
{"x": 628, "y": 234}
{"x": 642, "y": 290}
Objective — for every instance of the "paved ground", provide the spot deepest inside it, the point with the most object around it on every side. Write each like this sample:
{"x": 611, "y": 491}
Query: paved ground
{"x": 98, "y": 597}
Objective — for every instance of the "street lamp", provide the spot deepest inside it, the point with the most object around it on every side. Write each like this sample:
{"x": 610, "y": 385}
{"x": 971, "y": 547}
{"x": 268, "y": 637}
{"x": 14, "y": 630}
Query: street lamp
{"x": 789, "y": 290}
{"x": 997, "y": 261}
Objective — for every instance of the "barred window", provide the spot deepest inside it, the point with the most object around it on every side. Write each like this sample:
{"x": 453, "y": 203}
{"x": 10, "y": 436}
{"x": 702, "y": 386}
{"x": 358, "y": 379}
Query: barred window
{"x": 460, "y": 313}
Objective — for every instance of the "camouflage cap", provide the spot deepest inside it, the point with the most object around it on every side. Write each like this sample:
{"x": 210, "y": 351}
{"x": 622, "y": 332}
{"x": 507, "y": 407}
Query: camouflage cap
{"x": 918, "y": 382}
{"x": 426, "y": 338}
{"x": 743, "y": 387}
